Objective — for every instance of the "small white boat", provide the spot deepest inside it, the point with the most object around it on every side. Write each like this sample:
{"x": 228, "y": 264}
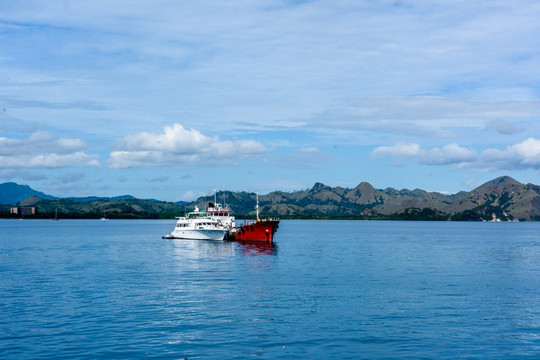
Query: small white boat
{"x": 196, "y": 226}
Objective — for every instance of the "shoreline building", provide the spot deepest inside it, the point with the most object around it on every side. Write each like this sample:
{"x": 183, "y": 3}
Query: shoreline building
{"x": 23, "y": 210}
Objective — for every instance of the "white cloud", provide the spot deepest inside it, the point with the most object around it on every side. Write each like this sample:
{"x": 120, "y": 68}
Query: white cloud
{"x": 39, "y": 142}
{"x": 309, "y": 150}
{"x": 525, "y": 154}
{"x": 177, "y": 145}
{"x": 448, "y": 154}
{"x": 188, "y": 196}
{"x": 78, "y": 159}
{"x": 175, "y": 139}
{"x": 70, "y": 145}
{"x": 43, "y": 150}
{"x": 398, "y": 150}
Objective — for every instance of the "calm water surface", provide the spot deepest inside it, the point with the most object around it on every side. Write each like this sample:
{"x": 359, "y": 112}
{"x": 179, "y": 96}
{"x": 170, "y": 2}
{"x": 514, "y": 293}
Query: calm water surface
{"x": 326, "y": 290}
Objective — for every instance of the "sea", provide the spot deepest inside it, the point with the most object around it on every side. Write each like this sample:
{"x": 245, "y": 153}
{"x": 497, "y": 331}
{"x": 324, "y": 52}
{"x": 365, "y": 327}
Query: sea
{"x": 77, "y": 289}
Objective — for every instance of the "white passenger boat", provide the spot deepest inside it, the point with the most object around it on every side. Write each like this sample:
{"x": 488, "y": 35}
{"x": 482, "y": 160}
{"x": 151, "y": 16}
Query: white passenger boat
{"x": 196, "y": 226}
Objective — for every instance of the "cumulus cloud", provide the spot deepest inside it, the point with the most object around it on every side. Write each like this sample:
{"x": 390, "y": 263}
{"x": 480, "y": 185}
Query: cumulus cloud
{"x": 65, "y": 145}
{"x": 179, "y": 145}
{"x": 398, "y": 150}
{"x": 43, "y": 150}
{"x": 448, "y": 154}
{"x": 175, "y": 139}
{"x": 523, "y": 155}
{"x": 40, "y": 142}
{"x": 78, "y": 159}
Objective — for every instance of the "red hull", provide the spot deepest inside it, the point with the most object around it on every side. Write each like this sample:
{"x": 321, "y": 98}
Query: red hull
{"x": 263, "y": 230}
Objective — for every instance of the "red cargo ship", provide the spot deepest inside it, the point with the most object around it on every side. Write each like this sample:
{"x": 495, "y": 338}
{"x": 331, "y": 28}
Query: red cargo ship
{"x": 258, "y": 230}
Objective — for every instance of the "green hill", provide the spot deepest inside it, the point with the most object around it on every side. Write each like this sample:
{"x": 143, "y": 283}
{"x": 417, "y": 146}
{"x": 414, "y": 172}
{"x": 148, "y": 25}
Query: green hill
{"x": 501, "y": 199}
{"x": 117, "y": 209}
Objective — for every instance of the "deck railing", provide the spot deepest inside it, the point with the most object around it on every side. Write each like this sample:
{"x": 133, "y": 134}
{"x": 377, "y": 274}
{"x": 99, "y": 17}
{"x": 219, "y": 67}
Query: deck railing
{"x": 249, "y": 222}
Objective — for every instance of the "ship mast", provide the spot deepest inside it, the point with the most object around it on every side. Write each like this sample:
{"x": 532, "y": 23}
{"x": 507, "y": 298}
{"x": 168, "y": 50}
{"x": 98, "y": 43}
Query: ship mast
{"x": 257, "y": 208}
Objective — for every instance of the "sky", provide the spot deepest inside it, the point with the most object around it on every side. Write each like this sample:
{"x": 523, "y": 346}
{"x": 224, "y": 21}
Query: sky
{"x": 170, "y": 100}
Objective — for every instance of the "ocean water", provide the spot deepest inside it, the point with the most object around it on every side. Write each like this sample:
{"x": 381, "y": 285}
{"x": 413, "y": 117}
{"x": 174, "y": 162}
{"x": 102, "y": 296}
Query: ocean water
{"x": 325, "y": 290}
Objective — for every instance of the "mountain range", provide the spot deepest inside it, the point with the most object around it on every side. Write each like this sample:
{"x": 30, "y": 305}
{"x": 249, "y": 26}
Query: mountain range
{"x": 501, "y": 199}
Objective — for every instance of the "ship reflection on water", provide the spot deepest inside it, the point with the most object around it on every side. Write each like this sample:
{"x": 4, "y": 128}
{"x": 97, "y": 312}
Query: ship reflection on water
{"x": 257, "y": 248}
{"x": 201, "y": 249}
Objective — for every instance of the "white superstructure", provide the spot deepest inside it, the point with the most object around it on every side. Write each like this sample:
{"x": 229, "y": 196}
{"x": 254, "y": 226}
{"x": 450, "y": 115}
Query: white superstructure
{"x": 222, "y": 214}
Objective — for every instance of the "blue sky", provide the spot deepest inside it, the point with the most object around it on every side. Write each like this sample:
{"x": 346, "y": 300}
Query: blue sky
{"x": 167, "y": 100}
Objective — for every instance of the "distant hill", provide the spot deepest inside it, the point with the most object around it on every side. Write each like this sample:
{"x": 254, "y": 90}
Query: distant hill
{"x": 116, "y": 209}
{"x": 501, "y": 199}
{"x": 12, "y": 193}
{"x": 94, "y": 198}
